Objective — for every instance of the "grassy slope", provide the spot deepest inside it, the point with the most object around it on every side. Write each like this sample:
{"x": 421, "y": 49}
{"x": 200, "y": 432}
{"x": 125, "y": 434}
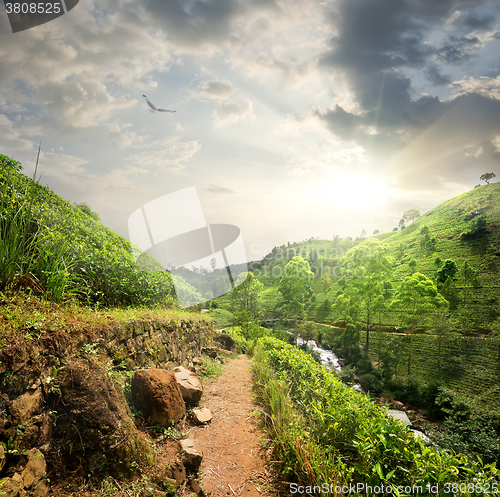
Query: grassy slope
{"x": 104, "y": 276}
{"x": 446, "y": 223}
{"x": 100, "y": 263}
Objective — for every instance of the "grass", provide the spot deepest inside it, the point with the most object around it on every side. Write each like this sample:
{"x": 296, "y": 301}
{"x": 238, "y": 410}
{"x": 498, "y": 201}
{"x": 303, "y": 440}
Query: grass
{"x": 326, "y": 434}
{"x": 25, "y": 317}
{"x": 210, "y": 369}
{"x": 63, "y": 250}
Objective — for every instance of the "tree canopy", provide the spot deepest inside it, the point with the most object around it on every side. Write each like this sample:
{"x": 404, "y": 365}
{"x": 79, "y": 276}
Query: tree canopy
{"x": 247, "y": 296}
{"x": 417, "y": 295}
{"x": 294, "y": 284}
{"x": 367, "y": 270}
{"x": 411, "y": 215}
{"x": 487, "y": 177}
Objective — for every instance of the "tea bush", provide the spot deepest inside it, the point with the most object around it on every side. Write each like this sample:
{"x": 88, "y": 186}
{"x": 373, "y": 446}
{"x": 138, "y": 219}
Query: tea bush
{"x": 66, "y": 250}
{"x": 357, "y": 441}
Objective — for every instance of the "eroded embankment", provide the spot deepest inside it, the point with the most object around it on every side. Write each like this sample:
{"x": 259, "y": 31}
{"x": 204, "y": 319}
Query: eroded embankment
{"x": 63, "y": 405}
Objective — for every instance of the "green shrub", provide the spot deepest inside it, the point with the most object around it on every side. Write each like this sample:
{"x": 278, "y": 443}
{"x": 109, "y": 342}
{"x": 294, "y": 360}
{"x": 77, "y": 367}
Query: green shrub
{"x": 370, "y": 383}
{"x": 354, "y": 441}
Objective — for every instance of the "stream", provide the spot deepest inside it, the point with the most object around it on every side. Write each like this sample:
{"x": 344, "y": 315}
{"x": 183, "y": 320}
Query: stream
{"x": 330, "y": 361}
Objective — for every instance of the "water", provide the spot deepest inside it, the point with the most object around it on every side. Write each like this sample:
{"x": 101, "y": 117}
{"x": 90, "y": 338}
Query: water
{"x": 328, "y": 359}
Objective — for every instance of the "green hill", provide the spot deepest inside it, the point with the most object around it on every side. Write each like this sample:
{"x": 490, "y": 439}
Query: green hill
{"x": 63, "y": 251}
{"x": 465, "y": 228}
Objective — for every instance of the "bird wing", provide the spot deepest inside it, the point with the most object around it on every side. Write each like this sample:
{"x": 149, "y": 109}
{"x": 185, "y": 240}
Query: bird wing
{"x": 150, "y": 103}
{"x": 165, "y": 110}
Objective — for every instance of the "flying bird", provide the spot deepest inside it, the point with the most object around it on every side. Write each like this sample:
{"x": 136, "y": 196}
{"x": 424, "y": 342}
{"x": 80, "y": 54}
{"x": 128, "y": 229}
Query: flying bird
{"x": 154, "y": 108}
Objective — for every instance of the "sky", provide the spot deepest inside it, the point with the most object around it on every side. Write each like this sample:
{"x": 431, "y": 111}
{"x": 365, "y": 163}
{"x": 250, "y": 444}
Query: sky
{"x": 294, "y": 118}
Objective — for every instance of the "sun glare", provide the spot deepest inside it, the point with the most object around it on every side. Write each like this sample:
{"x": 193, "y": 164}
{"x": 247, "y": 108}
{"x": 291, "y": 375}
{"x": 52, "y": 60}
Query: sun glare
{"x": 353, "y": 190}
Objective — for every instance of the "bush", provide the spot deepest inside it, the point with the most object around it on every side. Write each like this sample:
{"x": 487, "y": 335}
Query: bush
{"x": 347, "y": 374}
{"x": 348, "y": 438}
{"x": 414, "y": 391}
{"x": 370, "y": 383}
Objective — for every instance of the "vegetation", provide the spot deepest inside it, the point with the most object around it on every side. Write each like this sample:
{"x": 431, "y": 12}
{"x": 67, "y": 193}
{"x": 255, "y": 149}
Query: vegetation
{"x": 347, "y": 439}
{"x": 62, "y": 251}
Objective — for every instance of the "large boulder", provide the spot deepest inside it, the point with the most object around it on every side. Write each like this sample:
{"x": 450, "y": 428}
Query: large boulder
{"x": 189, "y": 384}
{"x": 96, "y": 418}
{"x": 156, "y": 393}
{"x": 225, "y": 340}
{"x": 35, "y": 469}
{"x": 26, "y": 405}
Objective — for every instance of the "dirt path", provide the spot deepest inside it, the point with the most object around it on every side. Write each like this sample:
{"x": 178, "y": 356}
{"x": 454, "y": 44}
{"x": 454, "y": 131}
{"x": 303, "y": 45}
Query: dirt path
{"x": 234, "y": 461}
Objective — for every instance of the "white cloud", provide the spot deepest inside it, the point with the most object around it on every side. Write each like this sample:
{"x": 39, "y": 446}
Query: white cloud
{"x": 232, "y": 112}
{"x": 488, "y": 87}
{"x": 218, "y": 90}
{"x": 169, "y": 154}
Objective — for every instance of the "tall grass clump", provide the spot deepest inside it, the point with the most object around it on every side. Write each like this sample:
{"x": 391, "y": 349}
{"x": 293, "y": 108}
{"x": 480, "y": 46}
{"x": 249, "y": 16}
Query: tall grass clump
{"x": 352, "y": 441}
{"x": 29, "y": 257}
{"x": 63, "y": 250}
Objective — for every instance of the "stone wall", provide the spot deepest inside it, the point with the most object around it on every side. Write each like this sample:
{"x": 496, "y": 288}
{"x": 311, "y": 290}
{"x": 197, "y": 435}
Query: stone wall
{"x": 162, "y": 345}
{"x": 59, "y": 395}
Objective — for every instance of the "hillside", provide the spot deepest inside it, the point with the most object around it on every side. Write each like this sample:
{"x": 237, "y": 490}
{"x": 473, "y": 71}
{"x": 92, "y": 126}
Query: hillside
{"x": 77, "y": 318}
{"x": 465, "y": 228}
{"x": 62, "y": 250}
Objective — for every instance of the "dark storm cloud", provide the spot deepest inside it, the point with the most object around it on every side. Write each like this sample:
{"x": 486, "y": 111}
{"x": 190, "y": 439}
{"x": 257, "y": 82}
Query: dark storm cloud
{"x": 474, "y": 20}
{"x": 376, "y": 43}
{"x": 193, "y": 23}
{"x": 340, "y": 122}
{"x": 375, "y": 35}
{"x": 436, "y": 77}
{"x": 457, "y": 49}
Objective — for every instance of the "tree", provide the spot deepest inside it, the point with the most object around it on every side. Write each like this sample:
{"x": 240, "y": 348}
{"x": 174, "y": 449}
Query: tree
{"x": 294, "y": 286}
{"x": 448, "y": 270}
{"x": 487, "y": 176}
{"x": 363, "y": 234}
{"x": 411, "y": 215}
{"x": 247, "y": 296}
{"x": 308, "y": 331}
{"x": 417, "y": 296}
{"x": 401, "y": 224}
{"x": 376, "y": 232}
{"x": 368, "y": 267}
{"x": 430, "y": 245}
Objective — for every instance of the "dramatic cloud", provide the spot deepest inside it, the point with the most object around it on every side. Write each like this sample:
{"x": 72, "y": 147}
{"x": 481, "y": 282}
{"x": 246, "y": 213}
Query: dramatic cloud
{"x": 387, "y": 104}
